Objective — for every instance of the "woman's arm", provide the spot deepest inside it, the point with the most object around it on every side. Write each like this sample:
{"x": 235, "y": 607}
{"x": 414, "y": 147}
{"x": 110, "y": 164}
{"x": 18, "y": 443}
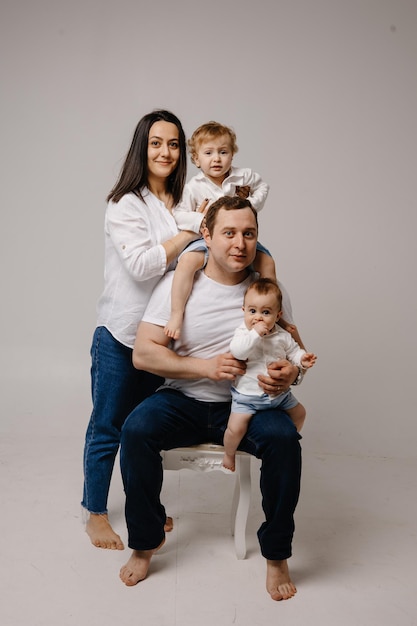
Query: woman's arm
{"x": 144, "y": 241}
{"x": 174, "y": 246}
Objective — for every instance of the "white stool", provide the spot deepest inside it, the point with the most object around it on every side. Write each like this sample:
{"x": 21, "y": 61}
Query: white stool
{"x": 206, "y": 458}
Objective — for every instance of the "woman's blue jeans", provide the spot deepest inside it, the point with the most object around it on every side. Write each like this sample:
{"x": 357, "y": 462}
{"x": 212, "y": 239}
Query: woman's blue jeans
{"x": 116, "y": 388}
{"x": 169, "y": 419}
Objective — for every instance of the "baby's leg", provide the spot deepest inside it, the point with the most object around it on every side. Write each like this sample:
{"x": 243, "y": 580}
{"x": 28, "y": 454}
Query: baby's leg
{"x": 233, "y": 435}
{"x": 182, "y": 284}
{"x": 298, "y": 415}
{"x": 265, "y": 265}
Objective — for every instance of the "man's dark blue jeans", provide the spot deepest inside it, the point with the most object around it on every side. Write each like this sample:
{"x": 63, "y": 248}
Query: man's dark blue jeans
{"x": 169, "y": 419}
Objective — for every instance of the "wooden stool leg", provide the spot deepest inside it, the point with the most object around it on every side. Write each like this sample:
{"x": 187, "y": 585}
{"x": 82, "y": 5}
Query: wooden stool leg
{"x": 240, "y": 505}
{"x": 206, "y": 458}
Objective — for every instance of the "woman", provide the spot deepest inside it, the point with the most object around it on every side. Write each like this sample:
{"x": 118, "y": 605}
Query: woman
{"x": 141, "y": 242}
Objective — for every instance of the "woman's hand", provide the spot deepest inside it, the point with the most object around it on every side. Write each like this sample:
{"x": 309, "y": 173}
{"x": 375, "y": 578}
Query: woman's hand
{"x": 203, "y": 206}
{"x": 203, "y": 209}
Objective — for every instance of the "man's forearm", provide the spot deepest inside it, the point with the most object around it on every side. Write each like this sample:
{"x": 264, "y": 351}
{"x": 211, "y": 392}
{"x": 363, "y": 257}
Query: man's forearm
{"x": 166, "y": 363}
{"x": 151, "y": 353}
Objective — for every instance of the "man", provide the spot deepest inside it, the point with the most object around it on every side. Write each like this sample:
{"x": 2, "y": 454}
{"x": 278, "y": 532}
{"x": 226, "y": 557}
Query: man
{"x": 194, "y": 404}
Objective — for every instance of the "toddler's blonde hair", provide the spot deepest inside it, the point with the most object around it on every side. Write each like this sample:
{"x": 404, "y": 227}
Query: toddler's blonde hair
{"x": 208, "y": 130}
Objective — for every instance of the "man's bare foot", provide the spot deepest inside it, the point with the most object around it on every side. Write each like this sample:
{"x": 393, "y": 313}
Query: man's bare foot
{"x": 173, "y": 328}
{"x": 278, "y": 581}
{"x": 136, "y": 569}
{"x": 229, "y": 462}
{"x": 101, "y": 533}
{"x": 169, "y": 524}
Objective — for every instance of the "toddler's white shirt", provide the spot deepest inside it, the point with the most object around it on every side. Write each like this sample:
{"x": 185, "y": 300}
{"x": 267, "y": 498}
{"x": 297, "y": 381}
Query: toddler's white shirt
{"x": 200, "y": 187}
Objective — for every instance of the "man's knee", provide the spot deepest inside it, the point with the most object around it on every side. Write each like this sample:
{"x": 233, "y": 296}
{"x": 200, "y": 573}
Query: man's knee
{"x": 138, "y": 425}
{"x": 275, "y": 431}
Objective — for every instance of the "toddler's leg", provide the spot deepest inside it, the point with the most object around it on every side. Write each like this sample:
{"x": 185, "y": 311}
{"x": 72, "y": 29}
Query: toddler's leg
{"x": 233, "y": 435}
{"x": 265, "y": 265}
{"x": 298, "y": 415}
{"x": 293, "y": 330}
{"x": 182, "y": 284}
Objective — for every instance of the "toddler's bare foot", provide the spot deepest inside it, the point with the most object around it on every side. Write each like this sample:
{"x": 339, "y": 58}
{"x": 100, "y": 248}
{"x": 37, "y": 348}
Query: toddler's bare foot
{"x": 173, "y": 328}
{"x": 278, "y": 581}
{"x": 136, "y": 569}
{"x": 229, "y": 462}
{"x": 169, "y": 524}
{"x": 101, "y": 533}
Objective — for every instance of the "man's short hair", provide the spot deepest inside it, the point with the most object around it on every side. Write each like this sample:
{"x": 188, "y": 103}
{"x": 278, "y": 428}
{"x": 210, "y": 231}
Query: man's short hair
{"x": 228, "y": 203}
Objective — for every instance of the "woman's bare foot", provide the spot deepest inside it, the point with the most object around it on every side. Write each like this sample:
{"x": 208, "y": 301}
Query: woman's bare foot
{"x": 136, "y": 569}
{"x": 278, "y": 581}
{"x": 101, "y": 533}
{"x": 173, "y": 327}
{"x": 229, "y": 462}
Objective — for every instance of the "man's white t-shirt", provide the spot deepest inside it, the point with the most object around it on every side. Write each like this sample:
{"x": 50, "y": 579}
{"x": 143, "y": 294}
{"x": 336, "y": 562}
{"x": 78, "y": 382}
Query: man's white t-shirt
{"x": 212, "y": 313}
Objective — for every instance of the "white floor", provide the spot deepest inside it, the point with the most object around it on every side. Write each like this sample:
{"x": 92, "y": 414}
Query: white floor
{"x": 355, "y": 547}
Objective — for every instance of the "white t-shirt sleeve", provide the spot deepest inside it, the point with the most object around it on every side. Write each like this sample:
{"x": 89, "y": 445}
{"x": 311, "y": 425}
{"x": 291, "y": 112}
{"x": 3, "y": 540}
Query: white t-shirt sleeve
{"x": 158, "y": 310}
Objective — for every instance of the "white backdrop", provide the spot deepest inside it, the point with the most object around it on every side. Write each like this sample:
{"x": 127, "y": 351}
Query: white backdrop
{"x": 323, "y": 97}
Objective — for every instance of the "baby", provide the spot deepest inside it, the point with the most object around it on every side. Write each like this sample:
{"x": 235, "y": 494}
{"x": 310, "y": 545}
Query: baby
{"x": 259, "y": 341}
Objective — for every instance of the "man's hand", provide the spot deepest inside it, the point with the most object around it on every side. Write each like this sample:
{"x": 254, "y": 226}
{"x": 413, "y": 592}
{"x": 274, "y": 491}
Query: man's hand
{"x": 224, "y": 367}
{"x": 280, "y": 376}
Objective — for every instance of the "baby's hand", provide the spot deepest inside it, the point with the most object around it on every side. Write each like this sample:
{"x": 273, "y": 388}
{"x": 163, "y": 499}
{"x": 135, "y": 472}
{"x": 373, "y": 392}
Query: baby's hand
{"x": 261, "y": 328}
{"x": 308, "y": 360}
{"x": 243, "y": 191}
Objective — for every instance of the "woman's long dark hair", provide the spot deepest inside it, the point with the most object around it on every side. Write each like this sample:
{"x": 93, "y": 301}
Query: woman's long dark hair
{"x": 133, "y": 176}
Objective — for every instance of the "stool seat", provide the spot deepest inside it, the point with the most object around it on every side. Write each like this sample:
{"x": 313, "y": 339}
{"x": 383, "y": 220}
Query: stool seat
{"x": 208, "y": 457}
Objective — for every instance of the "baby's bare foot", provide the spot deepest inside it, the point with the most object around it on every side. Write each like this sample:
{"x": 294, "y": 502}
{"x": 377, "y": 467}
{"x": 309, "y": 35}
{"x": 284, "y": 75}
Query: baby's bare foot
{"x": 169, "y": 524}
{"x": 278, "y": 581}
{"x": 101, "y": 533}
